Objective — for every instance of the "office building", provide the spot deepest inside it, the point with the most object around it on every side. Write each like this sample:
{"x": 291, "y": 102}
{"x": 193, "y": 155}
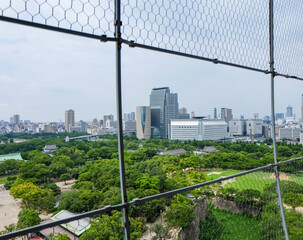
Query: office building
{"x": 183, "y": 114}
{"x": 289, "y": 112}
{"x": 143, "y": 122}
{"x": 182, "y": 110}
{"x": 279, "y": 116}
{"x": 132, "y": 116}
{"x": 107, "y": 119}
{"x": 302, "y": 108}
{"x": 129, "y": 126}
{"x": 171, "y": 107}
{"x": 69, "y": 119}
{"x": 198, "y": 129}
{"x": 75, "y": 129}
{"x": 15, "y": 119}
{"x": 129, "y": 116}
{"x": 254, "y": 127}
{"x": 158, "y": 116}
{"x": 290, "y": 133}
{"x": 83, "y": 126}
{"x": 237, "y": 127}
{"x": 215, "y": 113}
{"x": 226, "y": 114}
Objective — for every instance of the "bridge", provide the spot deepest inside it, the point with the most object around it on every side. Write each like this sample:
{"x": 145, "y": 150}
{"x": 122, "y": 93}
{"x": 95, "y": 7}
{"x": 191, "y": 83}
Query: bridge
{"x": 94, "y": 137}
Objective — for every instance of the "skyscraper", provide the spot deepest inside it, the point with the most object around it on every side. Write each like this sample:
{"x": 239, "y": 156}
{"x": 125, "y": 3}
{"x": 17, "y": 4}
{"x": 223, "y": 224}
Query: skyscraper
{"x": 107, "y": 120}
{"x": 226, "y": 114}
{"x": 302, "y": 108}
{"x": 171, "y": 109}
{"x": 215, "y": 113}
{"x": 16, "y": 119}
{"x": 158, "y": 116}
{"x": 289, "y": 112}
{"x": 143, "y": 123}
{"x": 69, "y": 119}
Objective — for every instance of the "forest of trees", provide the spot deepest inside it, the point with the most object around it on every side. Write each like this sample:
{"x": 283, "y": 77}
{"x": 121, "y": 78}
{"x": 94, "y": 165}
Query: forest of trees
{"x": 95, "y": 167}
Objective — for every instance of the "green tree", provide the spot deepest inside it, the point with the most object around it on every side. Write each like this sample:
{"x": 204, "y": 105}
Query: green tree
{"x": 27, "y": 218}
{"x": 59, "y": 236}
{"x": 33, "y": 197}
{"x": 146, "y": 182}
{"x": 109, "y": 228}
{"x": 293, "y": 199}
{"x": 284, "y": 151}
{"x": 181, "y": 212}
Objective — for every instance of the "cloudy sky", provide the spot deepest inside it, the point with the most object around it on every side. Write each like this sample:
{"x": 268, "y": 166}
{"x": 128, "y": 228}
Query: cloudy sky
{"x": 43, "y": 73}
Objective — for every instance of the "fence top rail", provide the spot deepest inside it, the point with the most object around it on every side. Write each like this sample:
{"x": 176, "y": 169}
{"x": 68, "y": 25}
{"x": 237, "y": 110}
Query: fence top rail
{"x": 137, "y": 201}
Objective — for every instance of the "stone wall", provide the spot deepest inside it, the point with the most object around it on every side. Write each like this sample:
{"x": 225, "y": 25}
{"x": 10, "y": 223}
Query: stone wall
{"x": 193, "y": 231}
{"x": 232, "y": 207}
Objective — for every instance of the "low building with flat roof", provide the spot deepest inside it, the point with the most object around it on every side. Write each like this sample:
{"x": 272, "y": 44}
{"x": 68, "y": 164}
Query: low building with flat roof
{"x": 198, "y": 129}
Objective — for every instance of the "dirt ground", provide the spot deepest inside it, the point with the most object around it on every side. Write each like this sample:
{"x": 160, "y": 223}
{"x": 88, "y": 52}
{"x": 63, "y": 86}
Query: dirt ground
{"x": 9, "y": 208}
{"x": 283, "y": 176}
{"x": 216, "y": 173}
{"x": 223, "y": 183}
{"x": 66, "y": 187}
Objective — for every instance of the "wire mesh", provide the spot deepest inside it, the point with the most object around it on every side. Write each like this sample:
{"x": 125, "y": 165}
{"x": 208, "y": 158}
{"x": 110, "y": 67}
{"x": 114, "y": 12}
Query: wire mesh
{"x": 288, "y": 34}
{"x": 243, "y": 207}
{"x": 291, "y": 176}
{"x": 232, "y": 31}
{"x": 93, "y": 16}
{"x": 235, "y": 206}
{"x": 238, "y": 208}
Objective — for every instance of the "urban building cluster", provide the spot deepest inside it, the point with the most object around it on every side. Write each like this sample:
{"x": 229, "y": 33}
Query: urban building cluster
{"x": 164, "y": 119}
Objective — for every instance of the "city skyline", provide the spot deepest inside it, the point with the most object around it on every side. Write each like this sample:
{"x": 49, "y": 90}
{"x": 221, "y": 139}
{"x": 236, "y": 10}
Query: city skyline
{"x": 40, "y": 88}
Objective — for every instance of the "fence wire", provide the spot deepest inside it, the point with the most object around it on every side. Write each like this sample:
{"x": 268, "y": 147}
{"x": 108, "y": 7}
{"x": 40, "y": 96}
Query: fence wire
{"x": 236, "y": 32}
{"x": 288, "y": 26}
{"x": 94, "y": 16}
{"x": 232, "y": 31}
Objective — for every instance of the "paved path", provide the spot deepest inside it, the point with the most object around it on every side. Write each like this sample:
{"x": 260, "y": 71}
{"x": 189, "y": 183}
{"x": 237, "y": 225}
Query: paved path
{"x": 9, "y": 208}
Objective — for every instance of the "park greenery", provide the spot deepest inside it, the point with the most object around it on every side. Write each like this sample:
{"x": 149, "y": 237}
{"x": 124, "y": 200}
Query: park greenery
{"x": 95, "y": 166}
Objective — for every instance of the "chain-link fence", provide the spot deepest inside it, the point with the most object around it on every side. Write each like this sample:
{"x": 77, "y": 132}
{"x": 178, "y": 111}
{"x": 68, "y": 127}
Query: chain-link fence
{"x": 262, "y": 36}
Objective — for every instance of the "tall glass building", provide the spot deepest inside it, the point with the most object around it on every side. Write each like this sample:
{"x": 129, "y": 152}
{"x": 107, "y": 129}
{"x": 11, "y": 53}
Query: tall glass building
{"x": 159, "y": 128}
{"x": 289, "y": 112}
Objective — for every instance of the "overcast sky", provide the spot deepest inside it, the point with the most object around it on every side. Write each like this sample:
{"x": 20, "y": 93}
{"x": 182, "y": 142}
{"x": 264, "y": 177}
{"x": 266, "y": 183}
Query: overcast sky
{"x": 43, "y": 73}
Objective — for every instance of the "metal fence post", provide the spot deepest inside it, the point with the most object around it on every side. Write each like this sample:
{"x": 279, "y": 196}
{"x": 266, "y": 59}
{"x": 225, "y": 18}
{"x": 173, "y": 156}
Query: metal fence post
{"x": 117, "y": 22}
{"x": 273, "y": 131}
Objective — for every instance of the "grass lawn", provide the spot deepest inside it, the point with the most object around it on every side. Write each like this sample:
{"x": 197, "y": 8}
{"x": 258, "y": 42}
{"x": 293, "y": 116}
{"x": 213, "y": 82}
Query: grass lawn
{"x": 237, "y": 226}
{"x": 295, "y": 178}
{"x": 256, "y": 180}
